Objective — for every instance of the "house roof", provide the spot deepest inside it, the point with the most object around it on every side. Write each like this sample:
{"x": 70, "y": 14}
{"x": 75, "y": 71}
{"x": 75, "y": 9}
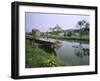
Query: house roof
{"x": 35, "y": 30}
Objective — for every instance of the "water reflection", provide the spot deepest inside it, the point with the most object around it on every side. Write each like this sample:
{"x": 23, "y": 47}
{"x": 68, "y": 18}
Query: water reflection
{"x": 73, "y": 52}
{"x": 81, "y": 51}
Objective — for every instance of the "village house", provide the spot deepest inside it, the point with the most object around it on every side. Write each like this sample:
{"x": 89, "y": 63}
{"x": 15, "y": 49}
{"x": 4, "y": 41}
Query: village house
{"x": 36, "y": 33}
{"x": 72, "y": 31}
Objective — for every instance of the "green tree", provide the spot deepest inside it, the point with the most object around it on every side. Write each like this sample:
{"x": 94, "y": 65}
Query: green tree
{"x": 86, "y": 29}
{"x": 80, "y": 25}
{"x": 65, "y": 35}
{"x": 69, "y": 34}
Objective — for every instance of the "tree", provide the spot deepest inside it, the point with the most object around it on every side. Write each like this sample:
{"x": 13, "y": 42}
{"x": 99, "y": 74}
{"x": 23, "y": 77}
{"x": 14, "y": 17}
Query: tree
{"x": 52, "y": 29}
{"x": 57, "y": 29}
{"x": 81, "y": 24}
{"x": 64, "y": 34}
{"x": 87, "y": 25}
{"x": 69, "y": 34}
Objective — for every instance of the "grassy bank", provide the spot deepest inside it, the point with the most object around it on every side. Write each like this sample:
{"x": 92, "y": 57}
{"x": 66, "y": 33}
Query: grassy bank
{"x": 36, "y": 57}
{"x": 83, "y": 38}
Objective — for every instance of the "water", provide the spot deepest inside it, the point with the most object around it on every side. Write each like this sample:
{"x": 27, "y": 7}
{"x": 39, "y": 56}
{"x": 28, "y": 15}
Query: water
{"x": 73, "y": 52}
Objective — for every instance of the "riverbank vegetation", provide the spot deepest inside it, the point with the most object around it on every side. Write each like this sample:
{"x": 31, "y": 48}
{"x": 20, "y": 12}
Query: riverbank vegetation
{"x": 37, "y": 57}
{"x": 73, "y": 37}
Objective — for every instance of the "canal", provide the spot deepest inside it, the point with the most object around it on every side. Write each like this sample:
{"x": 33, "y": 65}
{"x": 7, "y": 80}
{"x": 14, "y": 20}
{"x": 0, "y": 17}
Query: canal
{"x": 73, "y": 52}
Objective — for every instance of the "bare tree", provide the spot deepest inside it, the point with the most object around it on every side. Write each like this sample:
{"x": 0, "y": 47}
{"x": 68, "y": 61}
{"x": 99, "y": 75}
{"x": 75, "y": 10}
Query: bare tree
{"x": 52, "y": 30}
{"x": 57, "y": 29}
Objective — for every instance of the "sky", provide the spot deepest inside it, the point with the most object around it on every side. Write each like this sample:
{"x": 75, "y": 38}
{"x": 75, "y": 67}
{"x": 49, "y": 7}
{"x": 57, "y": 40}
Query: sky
{"x": 43, "y": 21}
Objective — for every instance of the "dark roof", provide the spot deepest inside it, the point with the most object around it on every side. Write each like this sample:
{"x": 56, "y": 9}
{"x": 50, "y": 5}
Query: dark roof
{"x": 34, "y": 30}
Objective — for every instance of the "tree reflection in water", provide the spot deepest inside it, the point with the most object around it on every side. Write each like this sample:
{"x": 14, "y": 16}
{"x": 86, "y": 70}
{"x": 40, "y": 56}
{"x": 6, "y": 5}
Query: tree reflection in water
{"x": 80, "y": 51}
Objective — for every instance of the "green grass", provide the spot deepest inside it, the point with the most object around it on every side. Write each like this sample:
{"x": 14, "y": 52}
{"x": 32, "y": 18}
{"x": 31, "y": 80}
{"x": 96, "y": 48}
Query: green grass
{"x": 73, "y": 37}
{"x": 36, "y": 57}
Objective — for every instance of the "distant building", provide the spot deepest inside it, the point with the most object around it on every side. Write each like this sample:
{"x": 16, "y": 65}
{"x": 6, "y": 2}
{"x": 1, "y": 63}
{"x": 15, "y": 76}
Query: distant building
{"x": 61, "y": 33}
{"x": 36, "y": 33}
{"x": 73, "y": 31}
